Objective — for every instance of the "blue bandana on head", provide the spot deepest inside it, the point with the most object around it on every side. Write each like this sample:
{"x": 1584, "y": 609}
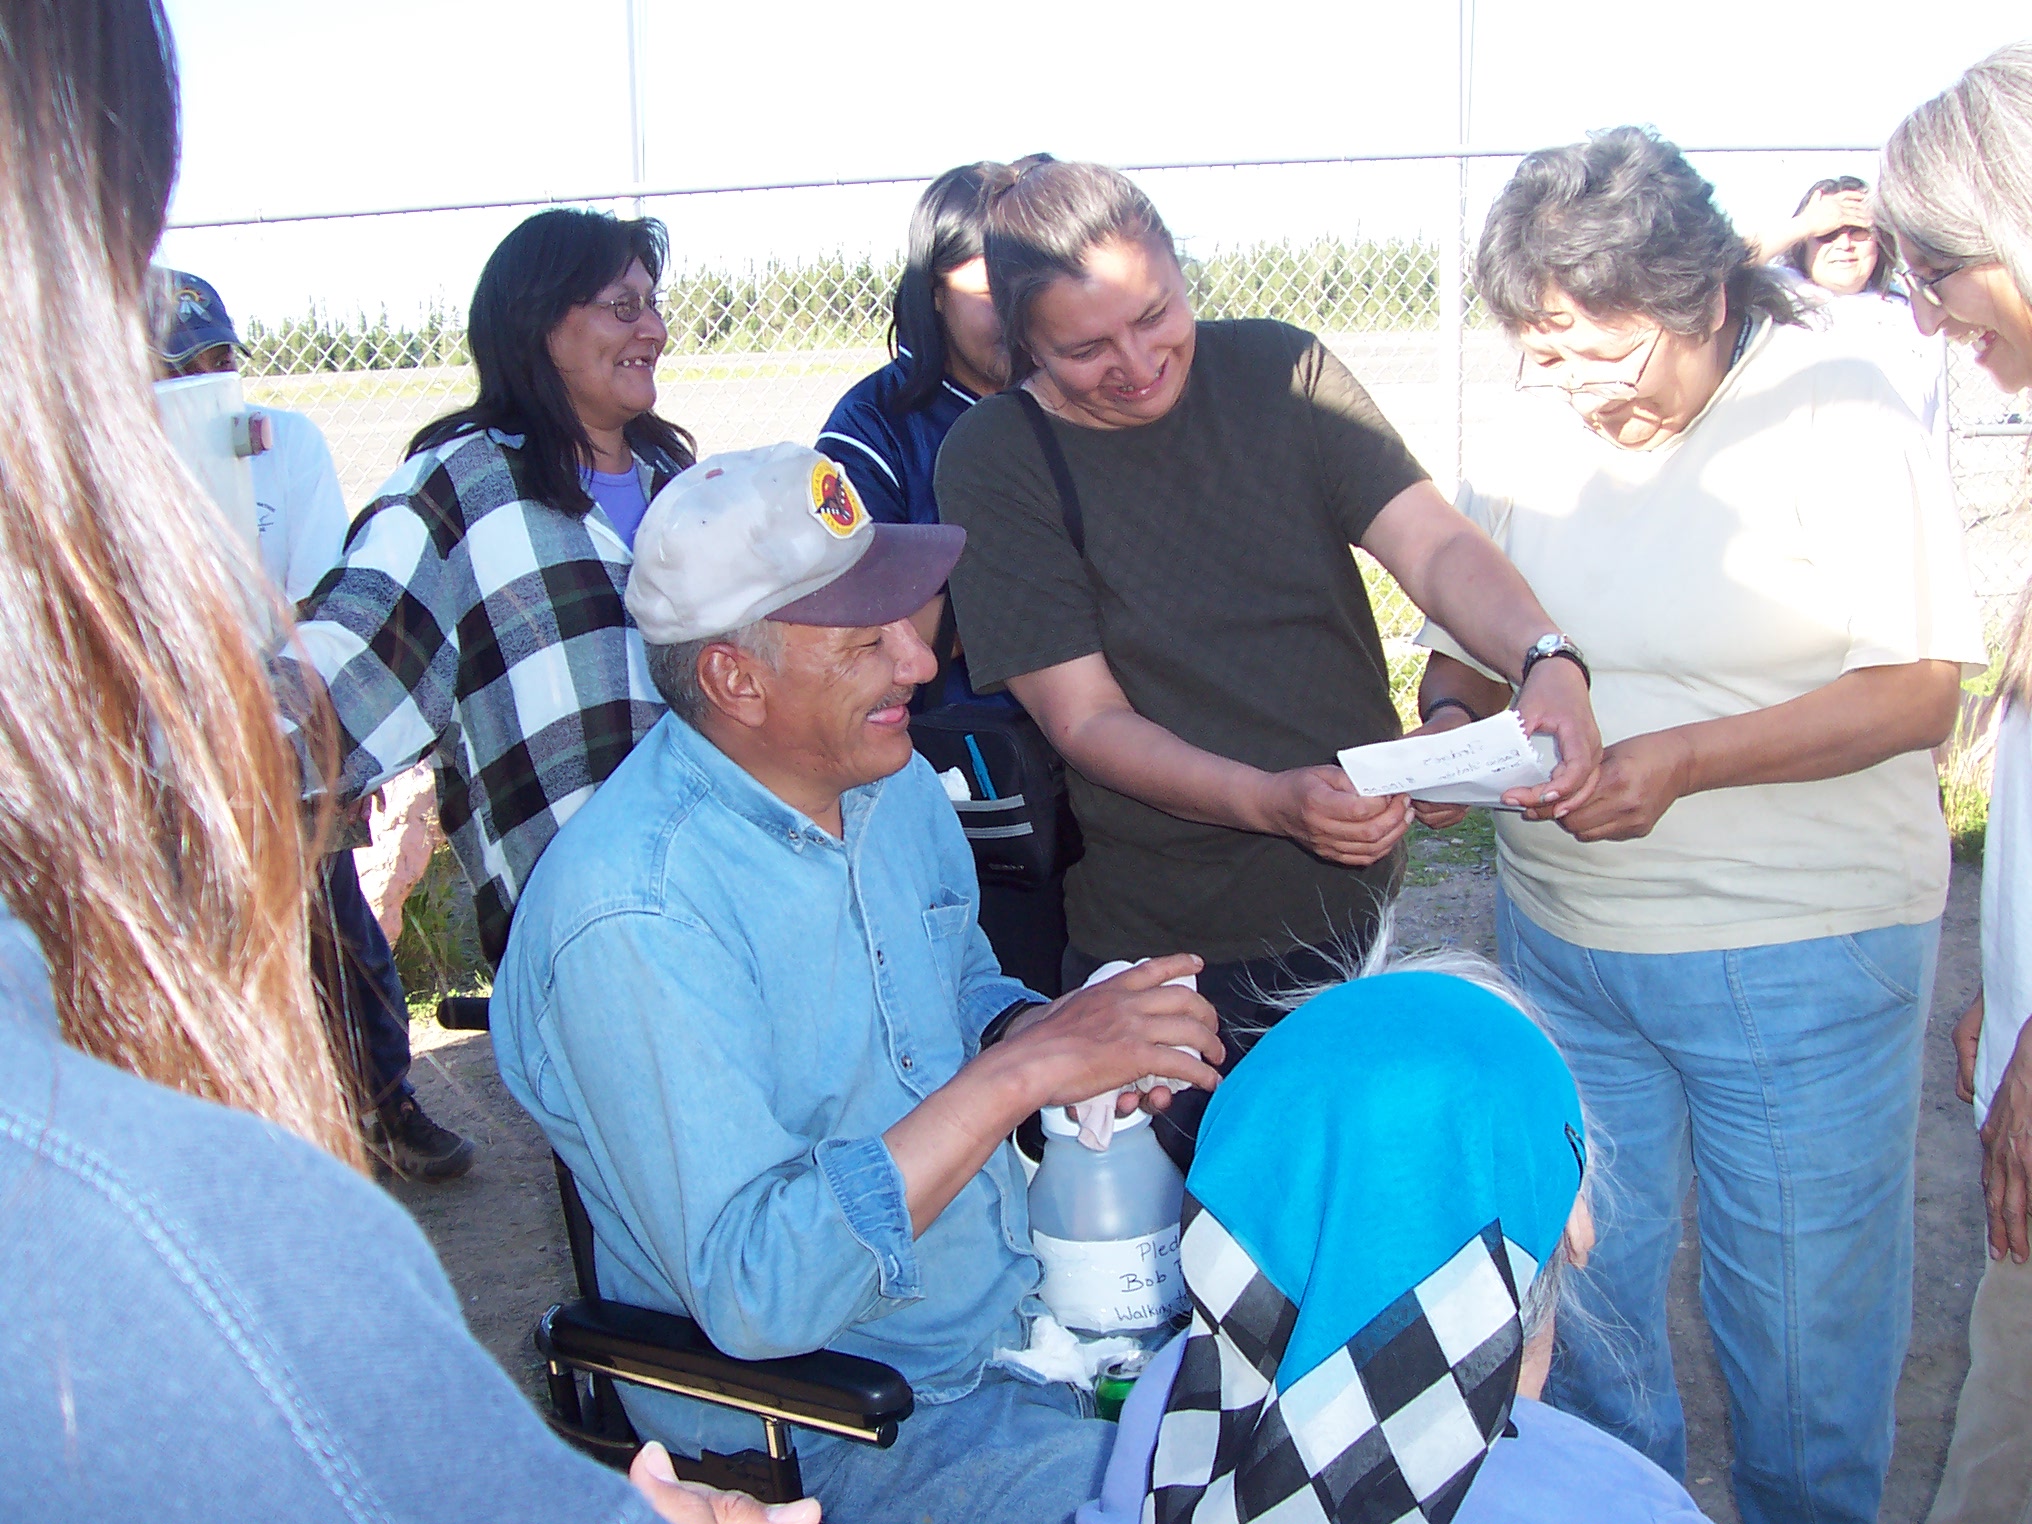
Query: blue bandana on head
{"x": 1373, "y": 1189}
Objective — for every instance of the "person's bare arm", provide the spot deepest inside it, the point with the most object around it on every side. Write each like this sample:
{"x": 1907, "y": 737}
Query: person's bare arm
{"x": 1094, "y": 1039}
{"x": 1860, "y": 719}
{"x": 925, "y": 622}
{"x": 1087, "y": 717}
{"x": 1456, "y": 574}
{"x": 1820, "y": 216}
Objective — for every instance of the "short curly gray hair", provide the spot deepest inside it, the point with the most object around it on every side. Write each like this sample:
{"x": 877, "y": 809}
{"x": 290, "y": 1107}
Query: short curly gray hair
{"x": 1622, "y": 224}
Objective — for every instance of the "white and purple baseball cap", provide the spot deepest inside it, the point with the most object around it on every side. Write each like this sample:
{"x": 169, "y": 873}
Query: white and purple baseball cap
{"x": 777, "y": 533}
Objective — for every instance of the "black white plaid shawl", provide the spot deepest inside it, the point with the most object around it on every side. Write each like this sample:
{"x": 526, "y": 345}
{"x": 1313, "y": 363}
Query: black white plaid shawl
{"x": 1391, "y": 1426}
{"x": 474, "y": 625}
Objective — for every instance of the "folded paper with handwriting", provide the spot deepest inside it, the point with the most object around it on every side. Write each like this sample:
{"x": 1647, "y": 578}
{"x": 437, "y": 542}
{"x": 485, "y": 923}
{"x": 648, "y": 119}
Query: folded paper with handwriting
{"x": 1470, "y": 764}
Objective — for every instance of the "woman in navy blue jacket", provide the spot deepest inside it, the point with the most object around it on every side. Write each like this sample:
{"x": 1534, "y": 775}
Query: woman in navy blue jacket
{"x": 948, "y": 353}
{"x": 885, "y": 433}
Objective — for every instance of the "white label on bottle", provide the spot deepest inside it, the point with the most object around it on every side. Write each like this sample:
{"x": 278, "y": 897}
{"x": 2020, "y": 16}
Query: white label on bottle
{"x": 1109, "y": 1285}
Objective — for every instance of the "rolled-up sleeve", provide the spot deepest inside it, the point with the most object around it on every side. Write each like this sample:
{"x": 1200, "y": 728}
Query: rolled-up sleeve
{"x": 777, "y": 1238}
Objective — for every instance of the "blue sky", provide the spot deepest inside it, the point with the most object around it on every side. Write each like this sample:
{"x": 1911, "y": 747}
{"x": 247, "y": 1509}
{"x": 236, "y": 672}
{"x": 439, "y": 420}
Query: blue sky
{"x": 295, "y": 106}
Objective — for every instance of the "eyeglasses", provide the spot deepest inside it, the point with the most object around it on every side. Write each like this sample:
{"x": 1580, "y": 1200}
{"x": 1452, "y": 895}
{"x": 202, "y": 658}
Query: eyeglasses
{"x": 1597, "y": 387}
{"x": 1925, "y": 287}
{"x": 628, "y": 308}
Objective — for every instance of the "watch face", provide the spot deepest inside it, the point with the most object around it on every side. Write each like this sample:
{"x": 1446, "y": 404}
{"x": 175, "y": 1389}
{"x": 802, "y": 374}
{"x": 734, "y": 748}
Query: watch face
{"x": 1547, "y": 644}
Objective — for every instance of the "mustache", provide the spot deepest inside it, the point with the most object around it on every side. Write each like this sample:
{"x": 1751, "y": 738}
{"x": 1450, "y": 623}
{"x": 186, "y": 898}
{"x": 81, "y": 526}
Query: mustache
{"x": 899, "y": 695}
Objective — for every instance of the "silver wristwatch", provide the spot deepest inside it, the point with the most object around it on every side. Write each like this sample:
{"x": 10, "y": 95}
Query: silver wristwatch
{"x": 1554, "y": 645}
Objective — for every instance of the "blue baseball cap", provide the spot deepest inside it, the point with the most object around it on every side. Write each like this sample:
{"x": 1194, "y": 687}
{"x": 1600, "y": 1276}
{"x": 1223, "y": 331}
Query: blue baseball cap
{"x": 196, "y": 318}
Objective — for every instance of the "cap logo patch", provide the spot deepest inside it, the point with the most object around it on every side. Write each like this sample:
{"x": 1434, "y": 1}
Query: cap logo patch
{"x": 834, "y": 502}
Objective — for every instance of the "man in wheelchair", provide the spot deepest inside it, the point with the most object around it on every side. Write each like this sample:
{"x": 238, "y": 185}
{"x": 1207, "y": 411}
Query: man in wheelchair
{"x": 746, "y": 999}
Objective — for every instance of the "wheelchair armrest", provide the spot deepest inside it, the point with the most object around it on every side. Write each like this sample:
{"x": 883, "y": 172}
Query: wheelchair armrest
{"x": 463, "y": 1013}
{"x": 837, "y": 1394}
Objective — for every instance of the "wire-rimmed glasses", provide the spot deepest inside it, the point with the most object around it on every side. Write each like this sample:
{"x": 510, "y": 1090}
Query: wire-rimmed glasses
{"x": 629, "y": 306}
{"x": 1563, "y": 376}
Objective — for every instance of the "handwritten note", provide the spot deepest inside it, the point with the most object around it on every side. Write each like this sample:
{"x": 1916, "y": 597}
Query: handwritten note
{"x": 1471, "y": 764}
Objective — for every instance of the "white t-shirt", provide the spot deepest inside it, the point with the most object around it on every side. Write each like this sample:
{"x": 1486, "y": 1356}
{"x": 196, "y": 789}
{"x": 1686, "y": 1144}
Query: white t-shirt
{"x": 1801, "y": 527}
{"x": 299, "y": 511}
{"x": 1880, "y": 327}
{"x": 2007, "y": 903}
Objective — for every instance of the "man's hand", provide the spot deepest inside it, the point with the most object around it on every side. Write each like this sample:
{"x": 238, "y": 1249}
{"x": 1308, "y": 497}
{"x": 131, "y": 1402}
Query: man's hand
{"x": 1438, "y": 817}
{"x": 1115, "y": 1032}
{"x": 689, "y": 1503}
{"x": 1640, "y": 780}
{"x": 2007, "y": 1155}
{"x": 1318, "y": 808}
{"x": 1083, "y": 1044}
{"x": 1968, "y": 1035}
{"x": 1554, "y": 701}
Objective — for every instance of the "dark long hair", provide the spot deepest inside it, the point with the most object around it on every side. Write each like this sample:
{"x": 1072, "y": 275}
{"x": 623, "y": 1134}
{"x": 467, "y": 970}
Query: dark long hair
{"x": 946, "y": 229}
{"x": 1796, "y": 256}
{"x": 1043, "y": 224}
{"x": 551, "y": 263}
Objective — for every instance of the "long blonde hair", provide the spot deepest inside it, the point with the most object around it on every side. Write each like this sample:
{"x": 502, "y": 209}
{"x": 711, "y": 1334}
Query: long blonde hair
{"x": 1955, "y": 187}
{"x": 149, "y": 826}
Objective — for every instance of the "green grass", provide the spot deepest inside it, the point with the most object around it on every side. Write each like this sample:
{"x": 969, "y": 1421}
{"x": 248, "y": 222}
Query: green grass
{"x": 1966, "y": 805}
{"x": 439, "y": 950}
{"x": 1436, "y": 856}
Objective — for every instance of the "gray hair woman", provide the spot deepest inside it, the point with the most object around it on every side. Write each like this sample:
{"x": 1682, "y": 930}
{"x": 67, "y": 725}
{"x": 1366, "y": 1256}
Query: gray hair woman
{"x": 1733, "y": 940}
{"x": 1201, "y": 645}
{"x": 1957, "y": 195}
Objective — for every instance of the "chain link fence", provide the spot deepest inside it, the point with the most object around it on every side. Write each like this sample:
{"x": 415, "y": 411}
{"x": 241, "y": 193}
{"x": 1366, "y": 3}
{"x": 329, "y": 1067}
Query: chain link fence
{"x": 761, "y": 348}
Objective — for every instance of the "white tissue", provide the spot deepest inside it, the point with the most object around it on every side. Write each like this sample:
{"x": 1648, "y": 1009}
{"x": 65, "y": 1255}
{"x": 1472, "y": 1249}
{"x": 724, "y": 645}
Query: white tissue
{"x": 1058, "y": 1355}
{"x": 1096, "y": 1116}
{"x": 956, "y": 787}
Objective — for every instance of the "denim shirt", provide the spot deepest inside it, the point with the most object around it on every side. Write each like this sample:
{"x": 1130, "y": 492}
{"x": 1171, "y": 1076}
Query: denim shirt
{"x": 207, "y": 1318}
{"x": 714, "y": 1010}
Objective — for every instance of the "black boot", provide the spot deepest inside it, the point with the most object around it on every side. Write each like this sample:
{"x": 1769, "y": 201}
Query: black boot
{"x": 401, "y": 1136}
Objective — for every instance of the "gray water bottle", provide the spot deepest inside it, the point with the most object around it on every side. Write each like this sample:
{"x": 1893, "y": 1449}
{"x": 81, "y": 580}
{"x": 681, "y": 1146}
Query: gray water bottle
{"x": 1106, "y": 1226}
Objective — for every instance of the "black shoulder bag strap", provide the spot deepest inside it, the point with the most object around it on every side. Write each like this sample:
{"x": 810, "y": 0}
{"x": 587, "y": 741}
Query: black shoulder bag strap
{"x": 1061, "y": 473}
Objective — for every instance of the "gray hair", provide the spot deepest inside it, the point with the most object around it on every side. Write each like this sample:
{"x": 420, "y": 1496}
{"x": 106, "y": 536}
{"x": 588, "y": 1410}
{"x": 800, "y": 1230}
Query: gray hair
{"x": 1554, "y": 1289}
{"x": 674, "y": 669}
{"x": 1954, "y": 185}
{"x": 1042, "y": 226}
{"x": 1622, "y": 224}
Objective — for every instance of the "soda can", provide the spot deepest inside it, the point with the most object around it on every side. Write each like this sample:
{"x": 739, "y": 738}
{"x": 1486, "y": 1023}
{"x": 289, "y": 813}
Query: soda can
{"x": 1113, "y": 1381}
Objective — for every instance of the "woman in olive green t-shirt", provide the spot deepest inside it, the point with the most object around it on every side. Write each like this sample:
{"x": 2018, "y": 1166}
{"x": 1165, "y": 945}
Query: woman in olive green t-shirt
{"x": 1203, "y": 659}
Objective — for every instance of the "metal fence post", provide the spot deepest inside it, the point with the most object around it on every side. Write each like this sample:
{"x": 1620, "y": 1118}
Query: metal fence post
{"x": 1453, "y": 328}
{"x": 1453, "y": 256}
{"x": 638, "y": 102}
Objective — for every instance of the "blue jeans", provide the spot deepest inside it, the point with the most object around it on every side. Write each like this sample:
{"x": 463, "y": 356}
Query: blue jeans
{"x": 1010, "y": 1452}
{"x": 1787, "y": 1077}
{"x": 360, "y": 973}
